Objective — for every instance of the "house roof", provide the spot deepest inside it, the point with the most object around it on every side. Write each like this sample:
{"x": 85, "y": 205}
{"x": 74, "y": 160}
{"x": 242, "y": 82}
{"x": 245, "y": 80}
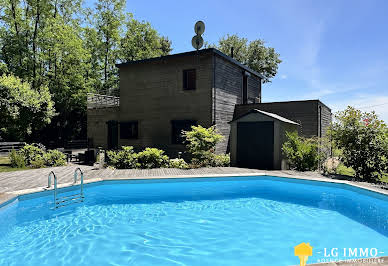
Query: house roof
{"x": 275, "y": 116}
{"x": 296, "y": 101}
{"x": 192, "y": 53}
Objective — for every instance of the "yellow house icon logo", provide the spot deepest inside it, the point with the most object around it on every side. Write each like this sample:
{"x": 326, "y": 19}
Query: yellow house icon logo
{"x": 303, "y": 251}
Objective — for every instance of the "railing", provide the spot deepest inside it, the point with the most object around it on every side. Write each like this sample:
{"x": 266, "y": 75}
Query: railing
{"x": 66, "y": 200}
{"x": 6, "y": 147}
{"x": 102, "y": 101}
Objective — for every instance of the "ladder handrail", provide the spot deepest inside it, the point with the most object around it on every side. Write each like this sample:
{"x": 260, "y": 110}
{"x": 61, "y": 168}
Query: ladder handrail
{"x": 58, "y": 200}
{"x": 55, "y": 184}
{"x": 82, "y": 179}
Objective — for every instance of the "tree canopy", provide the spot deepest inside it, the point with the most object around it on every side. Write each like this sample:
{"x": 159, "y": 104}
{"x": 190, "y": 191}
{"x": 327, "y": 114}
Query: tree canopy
{"x": 23, "y": 109}
{"x": 72, "y": 50}
{"x": 363, "y": 140}
{"x": 254, "y": 54}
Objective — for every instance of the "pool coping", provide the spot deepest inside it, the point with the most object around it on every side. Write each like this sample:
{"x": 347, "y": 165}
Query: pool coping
{"x": 8, "y": 197}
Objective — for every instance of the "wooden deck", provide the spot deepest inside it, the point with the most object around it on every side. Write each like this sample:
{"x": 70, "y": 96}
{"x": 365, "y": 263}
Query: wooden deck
{"x": 37, "y": 178}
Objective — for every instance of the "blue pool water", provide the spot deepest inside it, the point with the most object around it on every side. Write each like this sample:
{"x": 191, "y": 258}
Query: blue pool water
{"x": 206, "y": 221}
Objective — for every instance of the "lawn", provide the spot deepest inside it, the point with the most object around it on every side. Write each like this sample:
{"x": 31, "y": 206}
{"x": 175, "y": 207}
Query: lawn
{"x": 347, "y": 171}
{"x": 5, "y": 165}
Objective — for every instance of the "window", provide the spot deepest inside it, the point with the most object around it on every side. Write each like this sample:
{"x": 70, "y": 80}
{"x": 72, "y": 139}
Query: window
{"x": 189, "y": 79}
{"x": 245, "y": 90}
{"x": 129, "y": 130}
{"x": 177, "y": 126}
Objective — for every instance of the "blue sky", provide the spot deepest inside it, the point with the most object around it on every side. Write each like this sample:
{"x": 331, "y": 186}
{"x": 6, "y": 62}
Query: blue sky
{"x": 335, "y": 51}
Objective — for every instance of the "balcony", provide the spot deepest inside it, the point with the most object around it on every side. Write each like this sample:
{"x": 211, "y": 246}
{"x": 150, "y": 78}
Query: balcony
{"x": 102, "y": 101}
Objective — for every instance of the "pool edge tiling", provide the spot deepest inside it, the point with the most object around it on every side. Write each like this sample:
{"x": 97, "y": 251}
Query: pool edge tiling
{"x": 8, "y": 197}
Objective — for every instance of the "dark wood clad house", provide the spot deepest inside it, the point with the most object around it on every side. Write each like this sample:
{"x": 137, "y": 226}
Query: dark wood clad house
{"x": 161, "y": 96}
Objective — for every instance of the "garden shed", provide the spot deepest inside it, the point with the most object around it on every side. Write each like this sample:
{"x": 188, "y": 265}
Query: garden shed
{"x": 256, "y": 140}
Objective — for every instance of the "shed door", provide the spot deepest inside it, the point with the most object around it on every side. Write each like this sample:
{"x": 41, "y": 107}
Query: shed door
{"x": 255, "y": 145}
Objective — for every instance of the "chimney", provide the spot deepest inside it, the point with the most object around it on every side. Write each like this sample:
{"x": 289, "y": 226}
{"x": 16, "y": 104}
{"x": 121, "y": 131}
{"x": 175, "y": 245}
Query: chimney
{"x": 231, "y": 52}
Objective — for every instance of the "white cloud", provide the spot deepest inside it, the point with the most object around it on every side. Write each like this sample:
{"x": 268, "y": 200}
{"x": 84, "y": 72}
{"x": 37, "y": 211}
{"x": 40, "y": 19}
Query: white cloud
{"x": 283, "y": 76}
{"x": 364, "y": 102}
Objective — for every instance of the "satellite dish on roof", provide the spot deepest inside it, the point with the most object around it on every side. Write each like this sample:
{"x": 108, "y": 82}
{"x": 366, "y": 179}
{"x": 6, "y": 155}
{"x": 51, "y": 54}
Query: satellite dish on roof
{"x": 199, "y": 27}
{"x": 197, "y": 42}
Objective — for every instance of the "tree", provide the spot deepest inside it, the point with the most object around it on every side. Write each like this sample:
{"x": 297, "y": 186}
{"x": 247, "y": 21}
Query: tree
{"x": 23, "y": 109}
{"x": 72, "y": 51}
{"x": 254, "y": 54}
{"x": 109, "y": 18}
{"x": 363, "y": 140}
{"x": 141, "y": 41}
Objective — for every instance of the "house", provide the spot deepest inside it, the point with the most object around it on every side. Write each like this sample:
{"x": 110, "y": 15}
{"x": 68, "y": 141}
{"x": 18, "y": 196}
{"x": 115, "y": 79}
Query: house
{"x": 160, "y": 97}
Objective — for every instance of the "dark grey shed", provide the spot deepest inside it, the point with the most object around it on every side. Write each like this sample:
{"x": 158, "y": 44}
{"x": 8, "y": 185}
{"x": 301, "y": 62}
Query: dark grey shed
{"x": 256, "y": 140}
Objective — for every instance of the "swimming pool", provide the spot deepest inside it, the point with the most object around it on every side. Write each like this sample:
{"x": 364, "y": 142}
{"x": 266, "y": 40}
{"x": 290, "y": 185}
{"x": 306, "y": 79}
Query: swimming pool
{"x": 197, "y": 221}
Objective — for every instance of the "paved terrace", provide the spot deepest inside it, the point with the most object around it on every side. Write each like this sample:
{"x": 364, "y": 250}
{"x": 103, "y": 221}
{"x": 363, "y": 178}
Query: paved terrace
{"x": 16, "y": 183}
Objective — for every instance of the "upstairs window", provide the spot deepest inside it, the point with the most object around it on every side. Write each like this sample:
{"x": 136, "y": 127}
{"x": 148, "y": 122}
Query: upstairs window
{"x": 176, "y": 129}
{"x": 129, "y": 130}
{"x": 189, "y": 79}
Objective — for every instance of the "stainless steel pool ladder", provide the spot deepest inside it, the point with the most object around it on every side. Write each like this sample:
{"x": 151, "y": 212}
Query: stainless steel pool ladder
{"x": 67, "y": 200}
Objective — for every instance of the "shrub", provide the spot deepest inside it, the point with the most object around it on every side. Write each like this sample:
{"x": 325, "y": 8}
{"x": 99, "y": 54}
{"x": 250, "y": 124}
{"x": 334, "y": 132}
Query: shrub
{"x": 30, "y": 152}
{"x": 302, "y": 153}
{"x": 17, "y": 159}
{"x": 123, "y": 159}
{"x": 37, "y": 162}
{"x": 363, "y": 140}
{"x": 201, "y": 143}
{"x": 178, "y": 163}
{"x": 54, "y": 158}
{"x": 221, "y": 160}
{"x": 152, "y": 158}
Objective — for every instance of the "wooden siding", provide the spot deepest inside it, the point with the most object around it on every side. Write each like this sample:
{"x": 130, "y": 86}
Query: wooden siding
{"x": 97, "y": 127}
{"x": 326, "y": 117}
{"x": 228, "y": 93}
{"x": 303, "y": 112}
{"x": 152, "y": 93}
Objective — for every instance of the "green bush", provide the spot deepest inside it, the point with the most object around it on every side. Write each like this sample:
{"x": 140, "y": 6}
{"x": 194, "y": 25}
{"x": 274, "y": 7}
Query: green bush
{"x": 30, "y": 152}
{"x": 201, "y": 143}
{"x": 363, "y": 140}
{"x": 221, "y": 160}
{"x": 17, "y": 159}
{"x": 302, "y": 153}
{"x": 125, "y": 158}
{"x": 152, "y": 158}
{"x": 54, "y": 158}
{"x": 178, "y": 163}
{"x": 32, "y": 155}
{"x": 37, "y": 162}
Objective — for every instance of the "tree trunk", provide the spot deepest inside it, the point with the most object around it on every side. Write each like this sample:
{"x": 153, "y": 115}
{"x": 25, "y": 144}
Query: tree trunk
{"x": 13, "y": 8}
{"x": 34, "y": 43}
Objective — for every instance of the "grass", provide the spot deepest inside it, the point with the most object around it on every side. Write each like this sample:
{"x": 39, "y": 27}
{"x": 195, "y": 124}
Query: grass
{"x": 348, "y": 171}
{"x": 5, "y": 165}
{"x": 343, "y": 170}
